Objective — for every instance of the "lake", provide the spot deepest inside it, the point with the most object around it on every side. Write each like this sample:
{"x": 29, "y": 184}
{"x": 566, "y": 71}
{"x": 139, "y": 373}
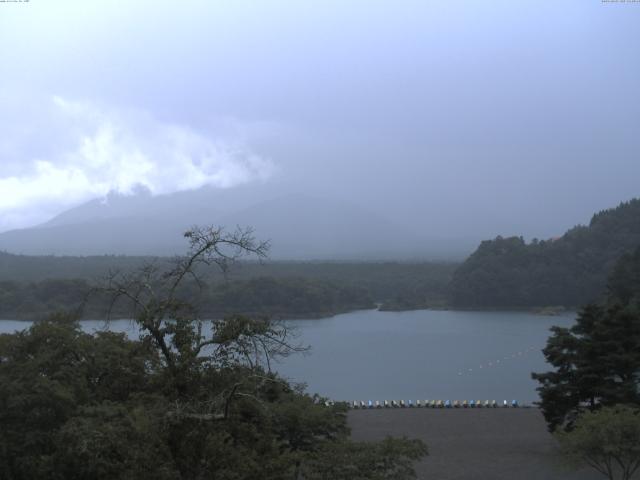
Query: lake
{"x": 422, "y": 354}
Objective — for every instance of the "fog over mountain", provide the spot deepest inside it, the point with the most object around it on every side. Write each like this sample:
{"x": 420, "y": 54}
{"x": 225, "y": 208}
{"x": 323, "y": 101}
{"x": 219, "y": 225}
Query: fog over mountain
{"x": 412, "y": 127}
{"x": 298, "y": 226}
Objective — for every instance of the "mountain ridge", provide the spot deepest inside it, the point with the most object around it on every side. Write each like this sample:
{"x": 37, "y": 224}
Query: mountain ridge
{"x": 300, "y": 227}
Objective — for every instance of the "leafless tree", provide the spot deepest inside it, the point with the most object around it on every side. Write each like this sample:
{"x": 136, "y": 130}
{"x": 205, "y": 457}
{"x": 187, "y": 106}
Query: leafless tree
{"x": 185, "y": 341}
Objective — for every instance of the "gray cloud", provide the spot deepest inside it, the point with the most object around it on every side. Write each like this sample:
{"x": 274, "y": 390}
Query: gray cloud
{"x": 96, "y": 150}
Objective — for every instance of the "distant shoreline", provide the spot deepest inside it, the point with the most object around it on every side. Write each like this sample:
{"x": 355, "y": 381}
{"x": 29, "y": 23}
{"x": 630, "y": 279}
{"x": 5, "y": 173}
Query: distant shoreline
{"x": 324, "y": 315}
{"x": 543, "y": 311}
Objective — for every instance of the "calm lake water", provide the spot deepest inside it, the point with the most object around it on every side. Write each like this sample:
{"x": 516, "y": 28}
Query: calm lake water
{"x": 425, "y": 354}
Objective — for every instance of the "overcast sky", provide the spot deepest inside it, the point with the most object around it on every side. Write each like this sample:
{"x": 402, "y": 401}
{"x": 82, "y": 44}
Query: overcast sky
{"x": 461, "y": 118}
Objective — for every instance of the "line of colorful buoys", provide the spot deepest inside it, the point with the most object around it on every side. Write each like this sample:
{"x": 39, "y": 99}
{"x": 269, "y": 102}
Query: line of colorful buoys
{"x": 361, "y": 404}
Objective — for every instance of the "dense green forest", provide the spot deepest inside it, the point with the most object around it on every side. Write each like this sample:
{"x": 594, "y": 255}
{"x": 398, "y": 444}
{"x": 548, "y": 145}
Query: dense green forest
{"x": 33, "y": 287}
{"x": 571, "y": 270}
{"x": 281, "y": 298}
{"x": 181, "y": 402}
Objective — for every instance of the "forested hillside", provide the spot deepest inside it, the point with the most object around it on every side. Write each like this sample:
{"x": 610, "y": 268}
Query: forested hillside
{"x": 624, "y": 282}
{"x": 571, "y": 270}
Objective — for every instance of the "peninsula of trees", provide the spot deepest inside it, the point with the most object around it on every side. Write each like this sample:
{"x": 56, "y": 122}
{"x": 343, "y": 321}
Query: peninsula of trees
{"x": 34, "y": 287}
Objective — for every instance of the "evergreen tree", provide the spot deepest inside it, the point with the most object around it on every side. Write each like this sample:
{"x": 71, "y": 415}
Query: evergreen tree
{"x": 597, "y": 361}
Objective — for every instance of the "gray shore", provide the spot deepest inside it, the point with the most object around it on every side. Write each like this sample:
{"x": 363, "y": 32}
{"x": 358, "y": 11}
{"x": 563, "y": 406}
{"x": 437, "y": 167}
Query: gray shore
{"x": 473, "y": 444}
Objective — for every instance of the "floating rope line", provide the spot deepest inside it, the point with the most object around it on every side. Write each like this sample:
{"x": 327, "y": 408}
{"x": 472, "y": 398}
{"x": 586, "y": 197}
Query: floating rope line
{"x": 497, "y": 361}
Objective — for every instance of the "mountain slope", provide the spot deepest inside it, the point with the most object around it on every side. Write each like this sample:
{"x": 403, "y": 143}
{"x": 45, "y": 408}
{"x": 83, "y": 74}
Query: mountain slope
{"x": 571, "y": 270}
{"x": 299, "y": 227}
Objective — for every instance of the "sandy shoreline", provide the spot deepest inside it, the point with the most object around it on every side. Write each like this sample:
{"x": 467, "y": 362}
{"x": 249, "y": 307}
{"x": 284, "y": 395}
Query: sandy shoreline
{"x": 473, "y": 444}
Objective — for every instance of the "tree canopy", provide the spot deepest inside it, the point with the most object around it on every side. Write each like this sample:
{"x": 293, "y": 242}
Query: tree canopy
{"x": 608, "y": 440}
